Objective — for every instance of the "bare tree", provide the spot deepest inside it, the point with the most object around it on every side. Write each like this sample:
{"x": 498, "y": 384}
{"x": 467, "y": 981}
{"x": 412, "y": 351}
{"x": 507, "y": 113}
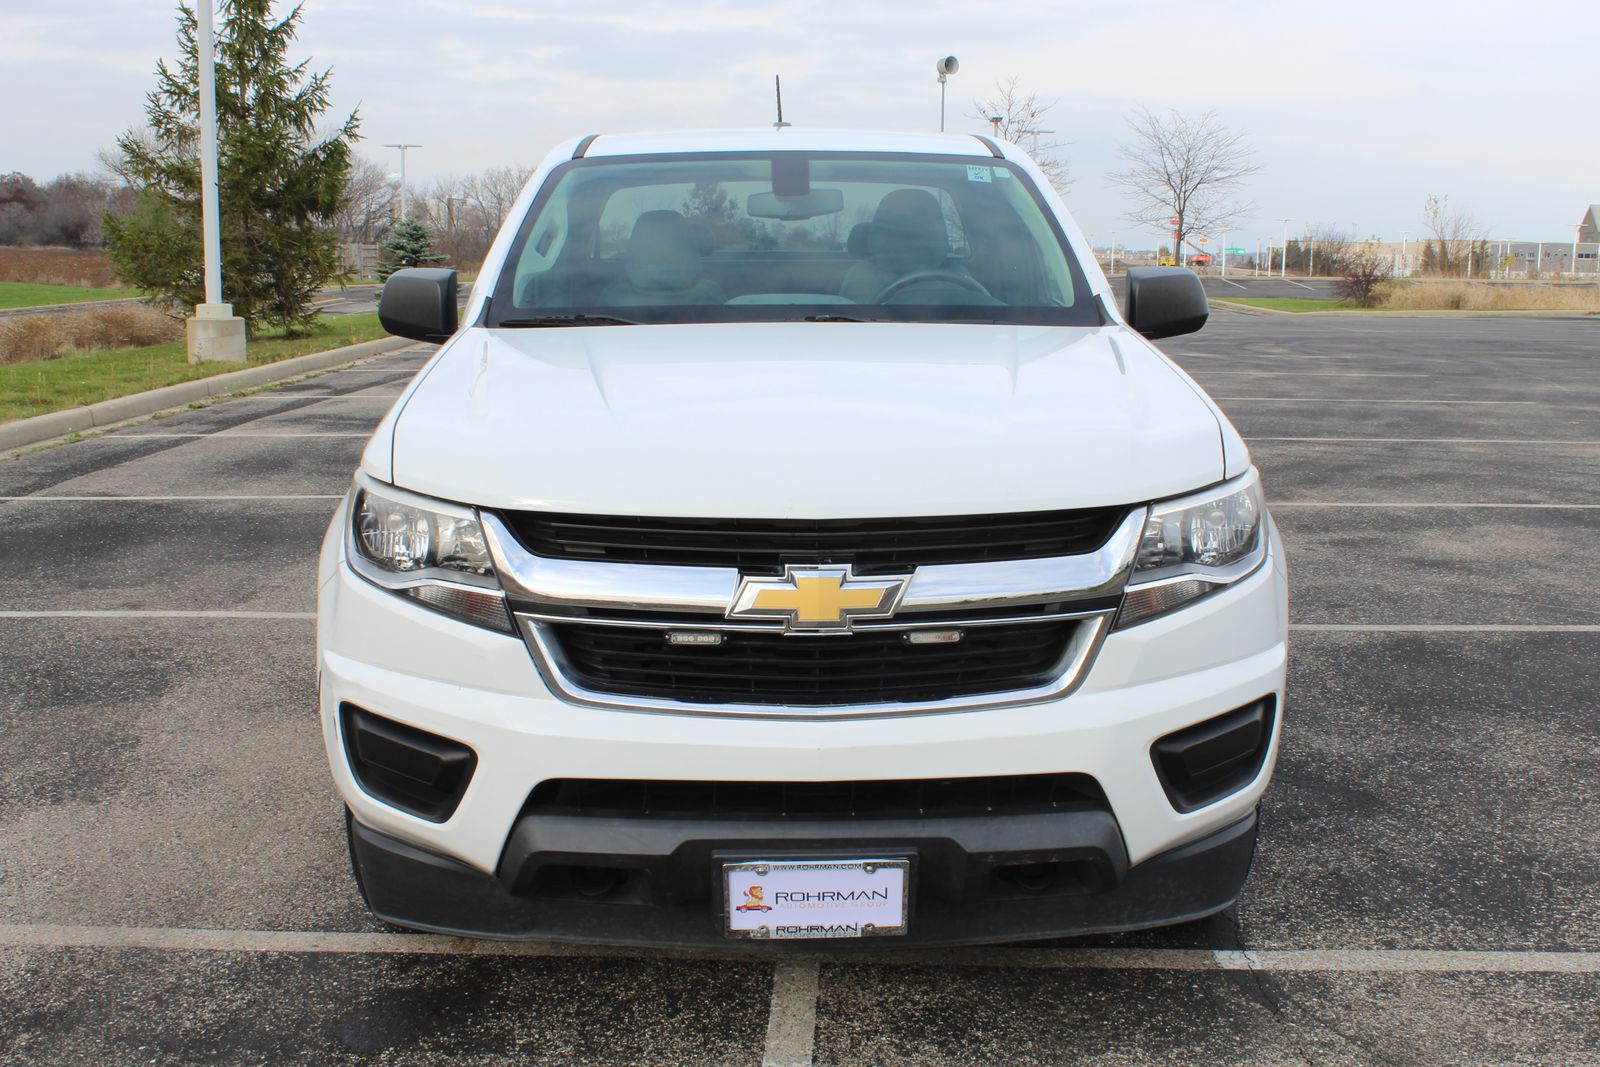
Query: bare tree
{"x": 1185, "y": 168}
{"x": 1327, "y": 250}
{"x": 466, "y": 213}
{"x": 495, "y": 190}
{"x": 1022, "y": 119}
{"x": 1362, "y": 276}
{"x": 371, "y": 208}
{"x": 1454, "y": 231}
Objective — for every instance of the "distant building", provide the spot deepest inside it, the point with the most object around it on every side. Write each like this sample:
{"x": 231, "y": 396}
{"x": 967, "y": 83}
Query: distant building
{"x": 1589, "y": 226}
{"x": 1575, "y": 257}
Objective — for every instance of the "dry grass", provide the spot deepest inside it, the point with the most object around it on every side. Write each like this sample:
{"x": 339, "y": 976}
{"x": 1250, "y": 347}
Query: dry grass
{"x": 1487, "y": 296}
{"x": 55, "y": 266}
{"x": 26, "y": 338}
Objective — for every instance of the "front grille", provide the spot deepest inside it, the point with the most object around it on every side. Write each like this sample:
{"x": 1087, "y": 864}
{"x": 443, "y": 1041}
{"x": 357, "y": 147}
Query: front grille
{"x": 928, "y": 798}
{"x": 763, "y": 546}
{"x": 868, "y": 666}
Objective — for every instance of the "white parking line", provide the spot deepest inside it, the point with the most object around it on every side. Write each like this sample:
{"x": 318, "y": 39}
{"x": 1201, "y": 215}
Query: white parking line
{"x": 795, "y": 982}
{"x": 1291, "y": 281}
{"x": 1276, "y": 373}
{"x": 1236, "y": 285}
{"x": 1439, "y": 628}
{"x": 792, "y": 1016}
{"x": 1403, "y": 504}
{"x": 143, "y": 614}
{"x": 175, "y": 499}
{"x": 1366, "y": 400}
{"x": 1425, "y": 441}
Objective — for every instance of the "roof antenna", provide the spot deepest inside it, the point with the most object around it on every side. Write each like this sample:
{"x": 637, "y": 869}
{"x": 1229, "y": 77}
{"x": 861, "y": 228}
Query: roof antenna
{"x": 777, "y": 85}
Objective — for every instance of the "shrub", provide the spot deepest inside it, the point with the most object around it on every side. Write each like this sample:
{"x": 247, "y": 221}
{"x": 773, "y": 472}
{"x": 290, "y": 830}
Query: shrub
{"x": 1362, "y": 276}
{"x": 26, "y": 338}
{"x": 121, "y": 327}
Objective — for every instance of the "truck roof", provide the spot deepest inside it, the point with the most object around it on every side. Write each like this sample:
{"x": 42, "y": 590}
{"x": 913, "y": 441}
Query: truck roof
{"x": 790, "y": 138}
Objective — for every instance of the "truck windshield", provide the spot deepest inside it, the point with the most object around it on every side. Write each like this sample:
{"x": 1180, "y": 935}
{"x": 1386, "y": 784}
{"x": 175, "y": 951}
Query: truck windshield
{"x": 790, "y": 236}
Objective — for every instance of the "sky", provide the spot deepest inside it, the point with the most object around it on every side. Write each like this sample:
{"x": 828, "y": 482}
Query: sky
{"x": 1356, "y": 110}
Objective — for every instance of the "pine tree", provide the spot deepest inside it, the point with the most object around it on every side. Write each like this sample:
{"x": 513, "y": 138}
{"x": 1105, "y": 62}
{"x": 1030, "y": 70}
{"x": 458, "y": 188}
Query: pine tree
{"x": 281, "y": 181}
{"x": 409, "y": 244}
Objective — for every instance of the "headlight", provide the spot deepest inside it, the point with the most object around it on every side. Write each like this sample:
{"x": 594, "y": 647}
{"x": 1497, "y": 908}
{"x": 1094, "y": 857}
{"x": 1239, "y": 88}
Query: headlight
{"x": 428, "y": 550}
{"x": 1196, "y": 545}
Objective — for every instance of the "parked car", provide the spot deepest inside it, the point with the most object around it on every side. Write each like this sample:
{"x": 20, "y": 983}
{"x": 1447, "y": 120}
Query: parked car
{"x": 793, "y": 539}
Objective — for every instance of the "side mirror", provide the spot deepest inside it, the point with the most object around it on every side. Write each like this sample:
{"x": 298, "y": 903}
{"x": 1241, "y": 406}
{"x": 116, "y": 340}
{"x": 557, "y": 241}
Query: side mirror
{"x": 419, "y": 303}
{"x": 1165, "y": 301}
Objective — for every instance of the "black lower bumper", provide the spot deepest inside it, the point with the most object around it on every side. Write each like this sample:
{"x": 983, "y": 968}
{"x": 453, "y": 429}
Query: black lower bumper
{"x": 658, "y": 882}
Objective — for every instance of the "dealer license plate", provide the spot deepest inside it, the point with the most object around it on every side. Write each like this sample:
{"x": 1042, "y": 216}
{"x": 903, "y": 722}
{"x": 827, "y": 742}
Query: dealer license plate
{"x": 781, "y": 899}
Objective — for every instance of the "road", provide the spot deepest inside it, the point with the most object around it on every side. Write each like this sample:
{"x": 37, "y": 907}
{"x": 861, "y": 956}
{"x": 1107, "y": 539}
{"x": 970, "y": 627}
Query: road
{"x": 174, "y": 886}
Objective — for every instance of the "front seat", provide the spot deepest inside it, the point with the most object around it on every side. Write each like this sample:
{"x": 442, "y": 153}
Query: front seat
{"x": 907, "y": 234}
{"x": 663, "y": 264}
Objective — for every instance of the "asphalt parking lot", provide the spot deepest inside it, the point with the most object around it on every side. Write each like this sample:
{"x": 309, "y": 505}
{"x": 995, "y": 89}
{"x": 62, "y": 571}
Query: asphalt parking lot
{"x": 173, "y": 879}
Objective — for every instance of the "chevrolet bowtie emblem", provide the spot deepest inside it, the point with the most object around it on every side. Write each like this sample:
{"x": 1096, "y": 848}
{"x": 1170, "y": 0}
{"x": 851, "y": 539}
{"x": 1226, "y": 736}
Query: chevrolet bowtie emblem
{"x": 817, "y": 599}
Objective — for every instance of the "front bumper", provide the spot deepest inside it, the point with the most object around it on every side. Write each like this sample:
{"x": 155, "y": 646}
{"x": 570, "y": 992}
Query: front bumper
{"x": 671, "y": 898}
{"x": 481, "y": 688}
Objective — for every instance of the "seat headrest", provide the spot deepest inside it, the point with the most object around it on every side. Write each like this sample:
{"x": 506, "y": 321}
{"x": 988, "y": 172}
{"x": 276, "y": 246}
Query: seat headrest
{"x": 664, "y": 251}
{"x": 908, "y": 232}
{"x": 859, "y": 242}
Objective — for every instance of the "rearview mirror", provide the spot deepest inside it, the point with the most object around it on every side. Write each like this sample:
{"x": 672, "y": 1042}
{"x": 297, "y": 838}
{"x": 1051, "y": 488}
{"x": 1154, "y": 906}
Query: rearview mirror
{"x": 1165, "y": 301}
{"x": 794, "y": 208}
{"x": 419, "y": 303}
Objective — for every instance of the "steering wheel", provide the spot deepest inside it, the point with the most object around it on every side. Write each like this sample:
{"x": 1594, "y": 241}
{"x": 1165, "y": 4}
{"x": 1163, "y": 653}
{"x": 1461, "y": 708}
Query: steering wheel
{"x": 917, "y": 277}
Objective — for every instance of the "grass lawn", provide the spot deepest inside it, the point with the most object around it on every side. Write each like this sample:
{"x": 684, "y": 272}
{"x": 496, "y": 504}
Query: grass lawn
{"x": 1290, "y": 303}
{"x": 29, "y": 294}
{"x": 88, "y": 377}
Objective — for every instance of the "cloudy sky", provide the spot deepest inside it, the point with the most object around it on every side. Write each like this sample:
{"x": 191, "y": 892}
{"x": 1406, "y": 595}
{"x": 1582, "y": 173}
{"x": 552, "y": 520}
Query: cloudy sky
{"x": 1356, "y": 109}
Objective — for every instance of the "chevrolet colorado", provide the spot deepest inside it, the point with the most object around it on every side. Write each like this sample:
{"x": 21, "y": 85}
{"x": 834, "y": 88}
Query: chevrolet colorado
{"x": 793, "y": 538}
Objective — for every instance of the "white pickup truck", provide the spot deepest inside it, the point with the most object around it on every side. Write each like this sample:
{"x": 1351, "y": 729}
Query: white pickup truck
{"x": 794, "y": 539}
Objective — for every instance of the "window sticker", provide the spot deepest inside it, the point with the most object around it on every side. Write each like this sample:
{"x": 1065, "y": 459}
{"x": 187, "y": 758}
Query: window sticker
{"x": 978, "y": 174}
{"x": 1001, "y": 172}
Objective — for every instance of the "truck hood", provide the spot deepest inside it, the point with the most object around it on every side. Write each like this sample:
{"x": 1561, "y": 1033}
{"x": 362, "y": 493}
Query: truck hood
{"x": 803, "y": 420}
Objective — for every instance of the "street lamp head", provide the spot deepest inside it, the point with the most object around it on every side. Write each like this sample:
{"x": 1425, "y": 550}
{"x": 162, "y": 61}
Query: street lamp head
{"x": 946, "y": 66}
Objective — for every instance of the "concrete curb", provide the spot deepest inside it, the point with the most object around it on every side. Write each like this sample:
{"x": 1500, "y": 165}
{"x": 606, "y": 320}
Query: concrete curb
{"x": 39, "y": 428}
{"x": 81, "y": 305}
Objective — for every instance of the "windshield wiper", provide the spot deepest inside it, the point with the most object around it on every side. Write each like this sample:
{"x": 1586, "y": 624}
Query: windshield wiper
{"x": 836, "y": 318}
{"x": 566, "y": 320}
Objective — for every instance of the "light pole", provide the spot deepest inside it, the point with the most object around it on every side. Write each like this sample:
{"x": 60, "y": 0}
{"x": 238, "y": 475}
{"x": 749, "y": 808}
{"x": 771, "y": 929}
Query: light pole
{"x": 402, "y": 148}
{"x": 994, "y": 123}
{"x": 214, "y": 333}
{"x": 946, "y": 67}
{"x": 1036, "y": 134}
{"x": 1284, "y": 266}
{"x": 1405, "y": 262}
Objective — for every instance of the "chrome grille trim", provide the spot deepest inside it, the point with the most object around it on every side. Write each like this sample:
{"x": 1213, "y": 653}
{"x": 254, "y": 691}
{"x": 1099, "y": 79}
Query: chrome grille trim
{"x": 544, "y": 591}
{"x": 555, "y": 584}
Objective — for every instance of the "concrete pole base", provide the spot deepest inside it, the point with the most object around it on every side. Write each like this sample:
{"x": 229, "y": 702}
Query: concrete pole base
{"x": 215, "y": 334}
